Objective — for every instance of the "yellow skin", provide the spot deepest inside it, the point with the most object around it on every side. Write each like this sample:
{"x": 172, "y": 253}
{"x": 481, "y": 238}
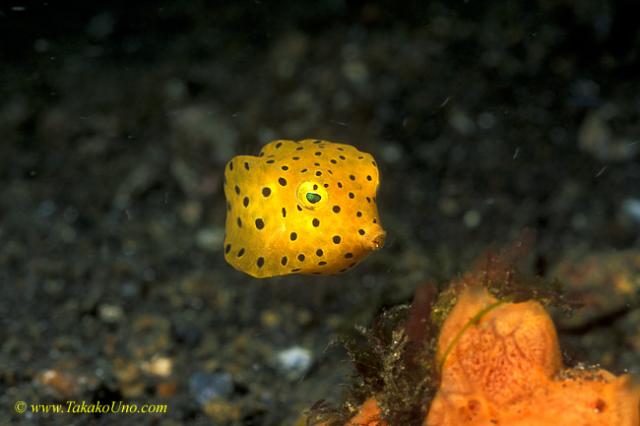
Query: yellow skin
{"x": 306, "y": 207}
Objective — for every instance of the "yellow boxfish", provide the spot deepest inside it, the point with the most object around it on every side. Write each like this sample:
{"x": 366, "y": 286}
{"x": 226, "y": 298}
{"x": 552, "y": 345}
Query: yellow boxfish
{"x": 306, "y": 207}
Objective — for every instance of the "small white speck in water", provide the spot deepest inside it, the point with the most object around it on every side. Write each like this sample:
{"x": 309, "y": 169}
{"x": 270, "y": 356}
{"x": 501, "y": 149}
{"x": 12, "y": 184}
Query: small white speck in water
{"x": 516, "y": 153}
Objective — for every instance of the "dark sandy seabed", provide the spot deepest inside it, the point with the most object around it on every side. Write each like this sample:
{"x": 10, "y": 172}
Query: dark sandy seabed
{"x": 116, "y": 122}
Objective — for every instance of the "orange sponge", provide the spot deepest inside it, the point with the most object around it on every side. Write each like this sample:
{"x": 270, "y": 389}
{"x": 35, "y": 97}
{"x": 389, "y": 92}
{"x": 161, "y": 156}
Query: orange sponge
{"x": 504, "y": 367}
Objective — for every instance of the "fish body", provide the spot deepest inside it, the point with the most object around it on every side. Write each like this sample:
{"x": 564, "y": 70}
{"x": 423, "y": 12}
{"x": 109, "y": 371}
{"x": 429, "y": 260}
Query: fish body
{"x": 306, "y": 207}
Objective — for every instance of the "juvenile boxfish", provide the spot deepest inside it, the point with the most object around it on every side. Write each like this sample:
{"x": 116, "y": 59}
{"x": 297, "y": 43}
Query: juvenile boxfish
{"x": 306, "y": 207}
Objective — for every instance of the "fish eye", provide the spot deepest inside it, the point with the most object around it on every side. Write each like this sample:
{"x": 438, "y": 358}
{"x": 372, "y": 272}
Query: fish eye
{"x": 311, "y": 195}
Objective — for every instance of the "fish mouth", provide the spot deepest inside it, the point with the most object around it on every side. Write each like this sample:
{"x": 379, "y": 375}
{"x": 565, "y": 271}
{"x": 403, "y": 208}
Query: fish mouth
{"x": 377, "y": 242}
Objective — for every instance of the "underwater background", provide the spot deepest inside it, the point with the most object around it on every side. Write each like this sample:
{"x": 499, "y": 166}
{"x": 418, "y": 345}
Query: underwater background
{"x": 117, "y": 119}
